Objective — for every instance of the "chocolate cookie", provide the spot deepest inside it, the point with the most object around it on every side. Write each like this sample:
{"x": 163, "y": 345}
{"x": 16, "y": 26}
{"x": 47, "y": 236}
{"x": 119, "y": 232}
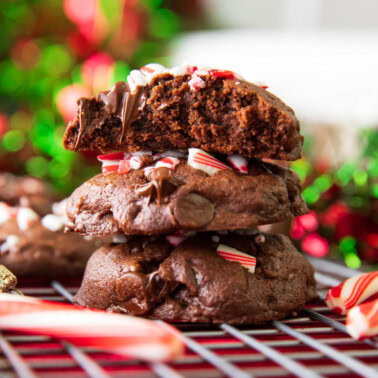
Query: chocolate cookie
{"x": 185, "y": 198}
{"x": 29, "y": 248}
{"x": 184, "y": 107}
{"x": 27, "y": 191}
{"x": 193, "y": 283}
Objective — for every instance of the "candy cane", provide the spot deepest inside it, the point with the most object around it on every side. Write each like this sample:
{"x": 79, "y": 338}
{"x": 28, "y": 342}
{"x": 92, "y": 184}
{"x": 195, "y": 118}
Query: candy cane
{"x": 205, "y": 162}
{"x": 351, "y": 292}
{"x": 362, "y": 320}
{"x": 121, "y": 334}
{"x": 233, "y": 254}
{"x": 168, "y": 162}
{"x": 240, "y": 163}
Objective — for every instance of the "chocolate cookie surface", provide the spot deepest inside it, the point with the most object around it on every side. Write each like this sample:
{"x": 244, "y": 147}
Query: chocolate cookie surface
{"x": 192, "y": 283}
{"x": 184, "y": 199}
{"x": 26, "y": 191}
{"x": 39, "y": 252}
{"x": 223, "y": 114}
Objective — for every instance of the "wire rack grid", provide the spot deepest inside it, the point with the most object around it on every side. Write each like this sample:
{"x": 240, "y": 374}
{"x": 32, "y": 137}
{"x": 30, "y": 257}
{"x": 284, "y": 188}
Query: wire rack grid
{"x": 313, "y": 344}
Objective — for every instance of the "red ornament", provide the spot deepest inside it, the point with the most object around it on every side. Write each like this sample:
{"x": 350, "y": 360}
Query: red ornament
{"x": 315, "y": 245}
{"x": 67, "y": 100}
{"x": 97, "y": 71}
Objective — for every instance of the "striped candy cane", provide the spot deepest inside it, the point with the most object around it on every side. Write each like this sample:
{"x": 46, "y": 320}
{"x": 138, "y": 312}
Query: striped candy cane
{"x": 240, "y": 163}
{"x": 352, "y": 292}
{"x": 121, "y": 334}
{"x": 205, "y": 162}
{"x": 232, "y": 254}
{"x": 362, "y": 320}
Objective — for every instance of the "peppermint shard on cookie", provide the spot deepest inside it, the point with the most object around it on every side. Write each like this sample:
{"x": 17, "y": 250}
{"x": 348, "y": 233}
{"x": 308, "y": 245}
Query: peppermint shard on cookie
{"x": 186, "y": 107}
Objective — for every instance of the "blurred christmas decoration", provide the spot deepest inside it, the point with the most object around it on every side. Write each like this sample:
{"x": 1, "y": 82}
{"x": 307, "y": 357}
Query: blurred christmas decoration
{"x": 343, "y": 202}
{"x": 54, "y": 51}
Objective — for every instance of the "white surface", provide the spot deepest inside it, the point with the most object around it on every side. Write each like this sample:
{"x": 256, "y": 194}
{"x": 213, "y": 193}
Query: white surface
{"x": 327, "y": 77}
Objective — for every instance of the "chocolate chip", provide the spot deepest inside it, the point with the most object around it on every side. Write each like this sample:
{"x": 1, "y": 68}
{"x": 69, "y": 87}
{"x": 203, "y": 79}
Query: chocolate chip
{"x": 193, "y": 210}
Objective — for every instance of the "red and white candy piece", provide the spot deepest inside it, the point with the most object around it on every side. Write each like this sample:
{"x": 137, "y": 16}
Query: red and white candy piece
{"x": 362, "y": 320}
{"x": 134, "y": 337}
{"x": 133, "y": 162}
{"x": 26, "y": 217}
{"x": 151, "y": 70}
{"x": 240, "y": 163}
{"x": 168, "y": 162}
{"x": 232, "y": 254}
{"x": 136, "y": 79}
{"x": 110, "y": 162}
{"x": 176, "y": 238}
{"x": 353, "y": 291}
{"x": 205, "y": 162}
{"x": 7, "y": 212}
{"x": 196, "y": 83}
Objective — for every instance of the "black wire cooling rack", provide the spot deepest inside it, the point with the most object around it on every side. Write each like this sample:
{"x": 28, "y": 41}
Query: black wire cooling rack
{"x": 313, "y": 344}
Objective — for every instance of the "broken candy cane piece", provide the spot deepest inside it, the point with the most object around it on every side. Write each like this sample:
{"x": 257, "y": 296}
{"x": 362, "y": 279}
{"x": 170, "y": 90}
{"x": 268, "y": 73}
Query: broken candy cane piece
{"x": 133, "y": 162}
{"x": 168, "y": 162}
{"x": 196, "y": 83}
{"x": 362, "y": 320}
{"x": 233, "y": 254}
{"x": 151, "y": 70}
{"x": 116, "y": 156}
{"x": 240, "y": 163}
{"x": 136, "y": 79}
{"x": 121, "y": 334}
{"x": 176, "y": 238}
{"x": 110, "y": 162}
{"x": 199, "y": 159}
{"x": 352, "y": 292}
{"x": 26, "y": 217}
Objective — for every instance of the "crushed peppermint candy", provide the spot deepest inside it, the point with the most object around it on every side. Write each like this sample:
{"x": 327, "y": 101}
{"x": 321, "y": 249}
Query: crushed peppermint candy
{"x": 26, "y": 217}
{"x": 144, "y": 76}
{"x": 196, "y": 83}
{"x": 176, "y": 238}
{"x": 260, "y": 239}
{"x": 240, "y": 163}
{"x": 168, "y": 162}
{"x": 232, "y": 254}
{"x": 199, "y": 159}
{"x": 53, "y": 222}
{"x": 9, "y": 244}
{"x": 6, "y": 212}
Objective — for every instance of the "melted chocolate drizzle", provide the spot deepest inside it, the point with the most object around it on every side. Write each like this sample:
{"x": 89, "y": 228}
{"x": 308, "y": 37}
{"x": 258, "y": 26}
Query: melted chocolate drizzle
{"x": 84, "y": 119}
{"x": 162, "y": 183}
{"x": 118, "y": 101}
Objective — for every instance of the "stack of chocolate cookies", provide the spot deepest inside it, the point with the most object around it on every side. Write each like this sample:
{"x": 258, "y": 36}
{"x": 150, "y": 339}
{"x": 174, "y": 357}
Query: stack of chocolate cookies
{"x": 183, "y": 197}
